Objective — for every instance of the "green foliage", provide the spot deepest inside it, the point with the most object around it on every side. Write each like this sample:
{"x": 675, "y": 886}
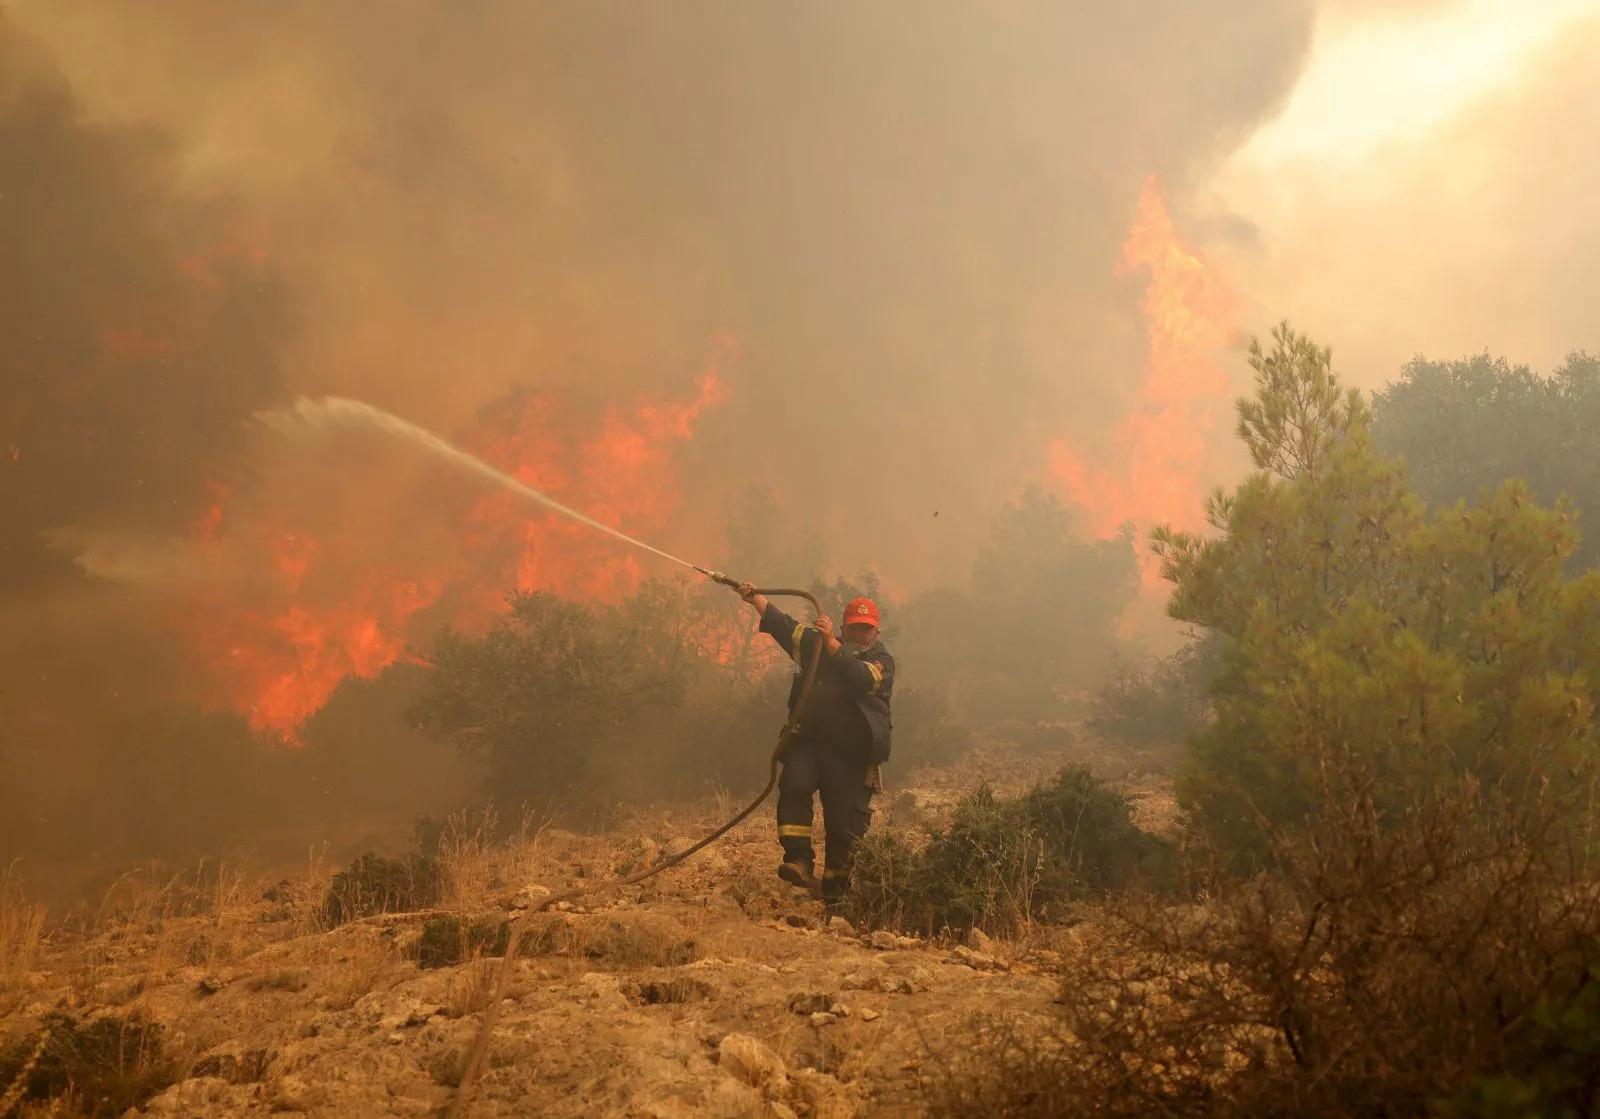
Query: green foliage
{"x": 1558, "y": 1073}
{"x": 1157, "y": 702}
{"x": 375, "y": 884}
{"x": 1464, "y": 427}
{"x": 110, "y": 1065}
{"x": 626, "y": 699}
{"x": 448, "y": 940}
{"x": 1003, "y": 862}
{"x": 1362, "y": 626}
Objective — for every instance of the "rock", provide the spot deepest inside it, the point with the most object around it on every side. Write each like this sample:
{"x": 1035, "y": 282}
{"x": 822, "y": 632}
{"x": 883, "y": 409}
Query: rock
{"x": 916, "y": 977}
{"x": 776, "y": 1110}
{"x": 529, "y": 897}
{"x": 294, "y": 1094}
{"x": 210, "y": 985}
{"x": 750, "y": 1062}
{"x": 883, "y": 940}
{"x": 810, "y": 1002}
{"x": 870, "y": 1015}
{"x": 837, "y": 924}
{"x": 820, "y": 1019}
{"x": 979, "y": 941}
{"x": 978, "y": 961}
{"x": 190, "y": 1097}
{"x": 800, "y": 920}
{"x": 236, "y": 1066}
{"x": 907, "y": 942}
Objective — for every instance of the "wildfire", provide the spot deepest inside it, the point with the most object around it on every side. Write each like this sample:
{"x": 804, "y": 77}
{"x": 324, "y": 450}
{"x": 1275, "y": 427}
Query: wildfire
{"x": 327, "y": 608}
{"x": 1162, "y": 445}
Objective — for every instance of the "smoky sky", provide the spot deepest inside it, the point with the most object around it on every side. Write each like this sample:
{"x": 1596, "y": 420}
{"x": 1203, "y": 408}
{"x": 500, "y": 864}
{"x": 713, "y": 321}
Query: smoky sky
{"x": 907, "y": 214}
{"x": 121, "y": 306}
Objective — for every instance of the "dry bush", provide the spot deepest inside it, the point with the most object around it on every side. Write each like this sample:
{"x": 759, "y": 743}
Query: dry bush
{"x": 102, "y": 1067}
{"x": 448, "y": 940}
{"x": 467, "y": 859}
{"x": 471, "y": 989}
{"x": 373, "y": 884}
{"x": 1154, "y": 704}
{"x": 1384, "y": 966}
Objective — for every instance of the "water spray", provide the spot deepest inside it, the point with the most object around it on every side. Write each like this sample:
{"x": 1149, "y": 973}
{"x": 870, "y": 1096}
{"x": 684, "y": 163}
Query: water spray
{"x": 332, "y": 411}
{"x": 340, "y": 411}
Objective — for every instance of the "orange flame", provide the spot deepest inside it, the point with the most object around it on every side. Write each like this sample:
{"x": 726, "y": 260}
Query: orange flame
{"x": 1162, "y": 447}
{"x": 328, "y": 611}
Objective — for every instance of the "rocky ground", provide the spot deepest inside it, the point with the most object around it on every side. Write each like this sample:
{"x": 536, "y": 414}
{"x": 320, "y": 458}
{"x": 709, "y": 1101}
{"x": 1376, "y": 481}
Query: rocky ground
{"x": 712, "y": 990}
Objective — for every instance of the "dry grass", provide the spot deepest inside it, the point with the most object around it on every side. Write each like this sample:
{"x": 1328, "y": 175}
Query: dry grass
{"x": 471, "y": 988}
{"x": 21, "y": 932}
{"x": 360, "y": 969}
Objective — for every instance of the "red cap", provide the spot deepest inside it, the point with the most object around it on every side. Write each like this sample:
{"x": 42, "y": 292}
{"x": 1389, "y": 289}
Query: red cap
{"x": 860, "y": 610}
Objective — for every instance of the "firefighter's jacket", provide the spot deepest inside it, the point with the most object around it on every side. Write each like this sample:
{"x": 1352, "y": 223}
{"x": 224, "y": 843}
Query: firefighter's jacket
{"x": 849, "y": 702}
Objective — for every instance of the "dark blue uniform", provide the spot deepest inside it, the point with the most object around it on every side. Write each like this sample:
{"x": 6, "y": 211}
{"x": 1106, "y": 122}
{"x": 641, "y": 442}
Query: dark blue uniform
{"x": 843, "y": 734}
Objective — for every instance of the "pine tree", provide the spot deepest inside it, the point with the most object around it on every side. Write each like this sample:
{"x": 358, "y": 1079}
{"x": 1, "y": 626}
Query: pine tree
{"x": 1371, "y": 646}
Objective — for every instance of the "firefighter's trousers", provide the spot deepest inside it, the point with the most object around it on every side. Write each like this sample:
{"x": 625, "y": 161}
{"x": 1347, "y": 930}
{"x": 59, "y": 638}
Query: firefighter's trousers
{"x": 841, "y": 774}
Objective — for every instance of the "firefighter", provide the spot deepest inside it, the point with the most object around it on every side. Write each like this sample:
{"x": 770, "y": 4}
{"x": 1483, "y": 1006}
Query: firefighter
{"x": 842, "y": 741}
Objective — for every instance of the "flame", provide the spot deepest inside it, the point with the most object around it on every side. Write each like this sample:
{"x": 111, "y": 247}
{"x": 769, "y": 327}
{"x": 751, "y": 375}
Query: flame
{"x": 1162, "y": 446}
{"x": 324, "y": 609}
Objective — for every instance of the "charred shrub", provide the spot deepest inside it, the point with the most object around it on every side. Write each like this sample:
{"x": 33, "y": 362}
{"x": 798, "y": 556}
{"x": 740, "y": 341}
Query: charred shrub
{"x": 375, "y": 884}
{"x": 109, "y": 1065}
{"x": 1005, "y": 861}
{"x": 449, "y": 940}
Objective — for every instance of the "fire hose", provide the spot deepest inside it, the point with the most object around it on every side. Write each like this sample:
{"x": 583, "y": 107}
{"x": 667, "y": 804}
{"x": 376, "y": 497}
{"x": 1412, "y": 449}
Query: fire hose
{"x": 491, "y": 1012}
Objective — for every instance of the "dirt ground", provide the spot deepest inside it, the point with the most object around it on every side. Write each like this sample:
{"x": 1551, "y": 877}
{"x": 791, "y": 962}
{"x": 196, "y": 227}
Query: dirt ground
{"x": 712, "y": 990}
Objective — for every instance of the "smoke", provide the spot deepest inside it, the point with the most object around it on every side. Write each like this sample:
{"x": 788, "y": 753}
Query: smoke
{"x": 910, "y": 217}
{"x": 893, "y": 234}
{"x": 140, "y": 329}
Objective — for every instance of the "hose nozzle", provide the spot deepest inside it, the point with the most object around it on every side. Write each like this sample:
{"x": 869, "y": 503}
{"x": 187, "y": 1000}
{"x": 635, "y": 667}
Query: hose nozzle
{"x": 718, "y": 577}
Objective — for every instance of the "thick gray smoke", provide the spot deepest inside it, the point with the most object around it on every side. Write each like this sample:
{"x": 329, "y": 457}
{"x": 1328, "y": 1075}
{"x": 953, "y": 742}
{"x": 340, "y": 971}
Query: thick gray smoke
{"x": 908, "y": 215}
{"x": 898, "y": 222}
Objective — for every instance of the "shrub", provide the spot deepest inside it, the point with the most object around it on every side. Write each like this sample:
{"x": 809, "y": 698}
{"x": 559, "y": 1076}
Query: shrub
{"x": 374, "y": 884}
{"x": 1002, "y": 862}
{"x": 1440, "y": 961}
{"x": 448, "y": 940}
{"x": 109, "y": 1065}
{"x": 568, "y": 699}
{"x": 1157, "y": 702}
